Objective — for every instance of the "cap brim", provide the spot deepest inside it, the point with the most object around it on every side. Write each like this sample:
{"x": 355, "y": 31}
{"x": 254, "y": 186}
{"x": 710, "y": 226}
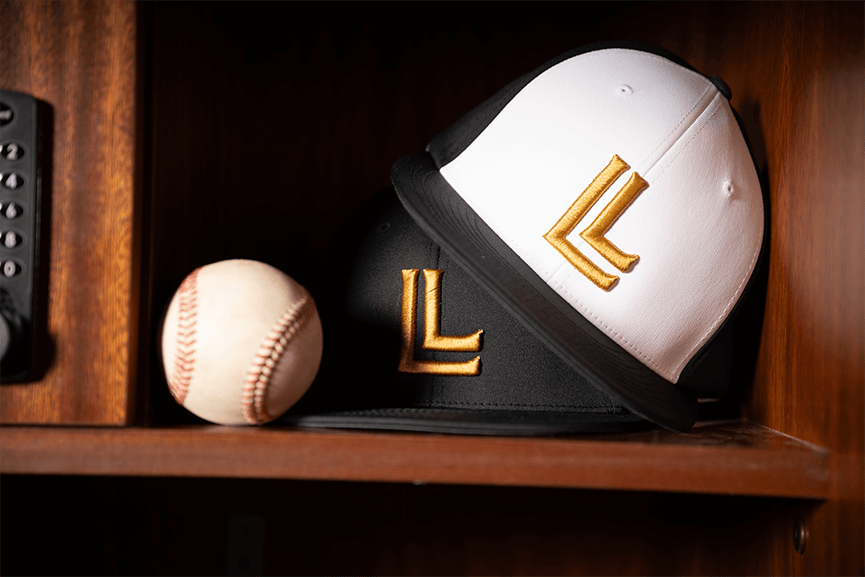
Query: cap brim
{"x": 473, "y": 422}
{"x": 449, "y": 221}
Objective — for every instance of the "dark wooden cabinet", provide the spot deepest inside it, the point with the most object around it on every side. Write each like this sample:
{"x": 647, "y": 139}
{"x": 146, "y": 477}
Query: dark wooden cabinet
{"x": 185, "y": 133}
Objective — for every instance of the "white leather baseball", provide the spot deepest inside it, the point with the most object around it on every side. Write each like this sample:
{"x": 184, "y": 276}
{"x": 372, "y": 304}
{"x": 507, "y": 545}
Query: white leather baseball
{"x": 241, "y": 342}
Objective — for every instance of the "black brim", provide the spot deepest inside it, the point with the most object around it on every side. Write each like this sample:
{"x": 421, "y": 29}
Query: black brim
{"x": 473, "y": 422}
{"x": 450, "y": 222}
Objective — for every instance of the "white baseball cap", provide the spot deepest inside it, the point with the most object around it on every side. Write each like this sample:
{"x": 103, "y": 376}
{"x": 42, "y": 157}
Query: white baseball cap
{"x": 609, "y": 200}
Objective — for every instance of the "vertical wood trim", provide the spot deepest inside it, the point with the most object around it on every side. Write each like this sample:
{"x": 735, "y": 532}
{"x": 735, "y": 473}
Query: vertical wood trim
{"x": 806, "y": 80}
{"x": 80, "y": 58}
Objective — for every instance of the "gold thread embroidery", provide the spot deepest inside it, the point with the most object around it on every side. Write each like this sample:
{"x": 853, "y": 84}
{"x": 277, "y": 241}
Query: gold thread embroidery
{"x": 594, "y": 234}
{"x": 408, "y": 325}
{"x": 407, "y": 362}
{"x": 433, "y": 339}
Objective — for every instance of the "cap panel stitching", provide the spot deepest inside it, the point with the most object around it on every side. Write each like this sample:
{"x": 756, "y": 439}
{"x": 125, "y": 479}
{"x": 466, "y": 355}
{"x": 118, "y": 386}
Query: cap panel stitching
{"x": 630, "y": 345}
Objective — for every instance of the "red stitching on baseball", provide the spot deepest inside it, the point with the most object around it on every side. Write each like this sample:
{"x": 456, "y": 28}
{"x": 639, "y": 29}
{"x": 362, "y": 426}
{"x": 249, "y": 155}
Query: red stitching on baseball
{"x": 274, "y": 345}
{"x": 184, "y": 353}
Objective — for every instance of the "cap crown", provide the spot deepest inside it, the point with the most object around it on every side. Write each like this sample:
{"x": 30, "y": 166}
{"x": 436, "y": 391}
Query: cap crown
{"x": 621, "y": 164}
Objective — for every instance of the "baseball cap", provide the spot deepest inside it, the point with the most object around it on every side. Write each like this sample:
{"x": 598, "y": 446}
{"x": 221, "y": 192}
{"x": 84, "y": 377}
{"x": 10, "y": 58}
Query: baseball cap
{"x": 608, "y": 200}
{"x": 495, "y": 296}
{"x": 414, "y": 343}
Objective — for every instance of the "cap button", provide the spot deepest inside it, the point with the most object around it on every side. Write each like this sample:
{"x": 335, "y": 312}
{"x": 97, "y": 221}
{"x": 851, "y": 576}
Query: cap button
{"x": 624, "y": 90}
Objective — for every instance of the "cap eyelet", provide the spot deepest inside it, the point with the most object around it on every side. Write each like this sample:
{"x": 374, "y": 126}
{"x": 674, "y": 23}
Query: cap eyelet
{"x": 624, "y": 90}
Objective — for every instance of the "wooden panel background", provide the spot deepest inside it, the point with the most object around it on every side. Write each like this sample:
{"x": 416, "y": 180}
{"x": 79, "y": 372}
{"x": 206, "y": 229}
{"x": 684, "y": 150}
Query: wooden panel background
{"x": 80, "y": 59}
{"x": 265, "y": 125}
{"x": 810, "y": 376}
{"x": 288, "y": 126}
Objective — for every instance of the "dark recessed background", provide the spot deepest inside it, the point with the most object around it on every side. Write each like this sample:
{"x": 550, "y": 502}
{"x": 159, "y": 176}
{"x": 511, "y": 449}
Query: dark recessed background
{"x": 267, "y": 123}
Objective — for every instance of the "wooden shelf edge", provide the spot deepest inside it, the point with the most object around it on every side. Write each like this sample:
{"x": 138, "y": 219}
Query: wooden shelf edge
{"x": 735, "y": 458}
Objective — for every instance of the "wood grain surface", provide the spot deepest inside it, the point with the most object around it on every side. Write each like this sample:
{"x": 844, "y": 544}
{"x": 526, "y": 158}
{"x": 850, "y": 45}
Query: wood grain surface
{"x": 724, "y": 458}
{"x": 810, "y": 373}
{"x": 80, "y": 59}
{"x": 262, "y": 128}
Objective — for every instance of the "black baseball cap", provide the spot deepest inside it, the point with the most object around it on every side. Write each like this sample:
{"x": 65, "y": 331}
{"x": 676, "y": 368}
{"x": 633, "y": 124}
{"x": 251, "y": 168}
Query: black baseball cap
{"x": 414, "y": 343}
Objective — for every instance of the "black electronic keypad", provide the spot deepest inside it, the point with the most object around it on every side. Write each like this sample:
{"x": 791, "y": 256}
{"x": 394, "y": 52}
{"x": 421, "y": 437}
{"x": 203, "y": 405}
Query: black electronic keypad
{"x": 20, "y": 183}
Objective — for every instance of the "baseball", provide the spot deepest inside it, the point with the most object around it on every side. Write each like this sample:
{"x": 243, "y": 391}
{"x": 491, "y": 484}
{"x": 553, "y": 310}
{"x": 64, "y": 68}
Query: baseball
{"x": 241, "y": 342}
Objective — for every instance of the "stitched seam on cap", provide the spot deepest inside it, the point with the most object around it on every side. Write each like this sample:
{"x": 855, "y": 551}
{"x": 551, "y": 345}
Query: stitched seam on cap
{"x": 631, "y": 347}
{"x": 726, "y": 311}
{"x": 688, "y": 143}
{"x": 645, "y": 170}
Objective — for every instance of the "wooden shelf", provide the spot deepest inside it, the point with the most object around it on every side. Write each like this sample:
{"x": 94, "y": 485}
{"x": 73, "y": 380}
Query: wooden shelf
{"x": 739, "y": 458}
{"x": 186, "y": 133}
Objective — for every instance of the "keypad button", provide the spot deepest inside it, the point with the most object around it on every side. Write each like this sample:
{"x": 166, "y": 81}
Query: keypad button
{"x": 10, "y": 269}
{"x": 11, "y": 151}
{"x": 6, "y": 114}
{"x": 11, "y": 239}
{"x": 12, "y": 180}
{"x": 11, "y": 210}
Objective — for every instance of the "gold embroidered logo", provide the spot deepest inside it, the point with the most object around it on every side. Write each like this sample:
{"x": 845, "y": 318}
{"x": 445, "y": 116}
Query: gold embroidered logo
{"x": 433, "y": 340}
{"x": 594, "y": 234}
